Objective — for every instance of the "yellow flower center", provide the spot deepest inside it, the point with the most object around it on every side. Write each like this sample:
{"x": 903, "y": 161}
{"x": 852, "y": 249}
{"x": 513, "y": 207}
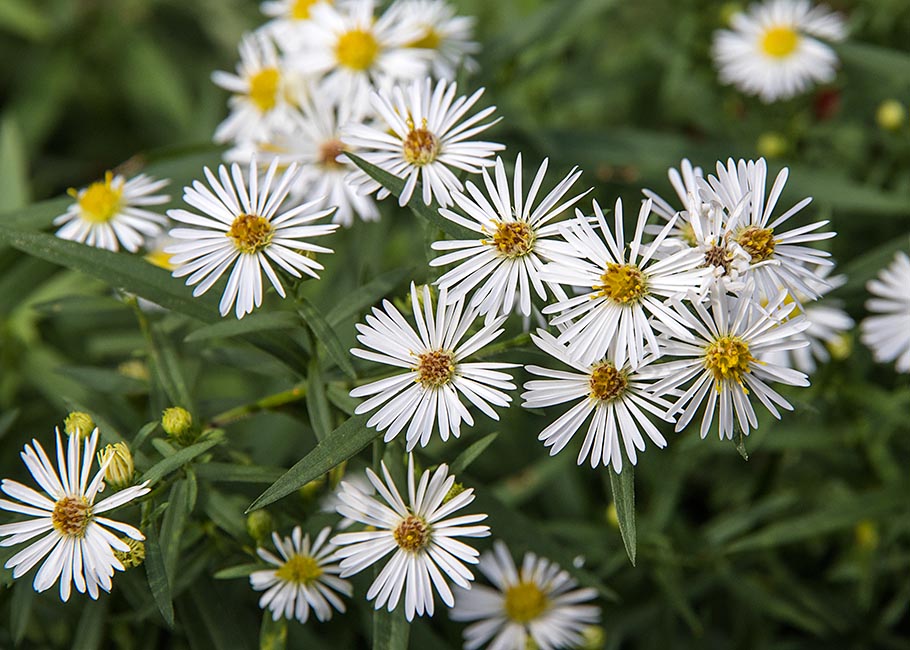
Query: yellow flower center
{"x": 412, "y": 534}
{"x": 758, "y": 242}
{"x": 300, "y": 570}
{"x": 251, "y": 233}
{"x": 622, "y": 283}
{"x": 71, "y": 516}
{"x": 429, "y": 41}
{"x": 513, "y": 239}
{"x": 329, "y": 152}
{"x": 717, "y": 256}
{"x": 779, "y": 42}
{"x": 101, "y": 201}
{"x": 357, "y": 49}
{"x": 420, "y": 146}
{"x": 435, "y": 368}
{"x": 606, "y": 382}
{"x": 264, "y": 88}
{"x": 728, "y": 358}
{"x": 300, "y": 10}
{"x": 524, "y": 602}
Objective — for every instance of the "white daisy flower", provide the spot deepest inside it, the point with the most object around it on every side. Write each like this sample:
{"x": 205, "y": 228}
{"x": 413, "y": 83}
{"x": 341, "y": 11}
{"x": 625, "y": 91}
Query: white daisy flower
{"x": 685, "y": 185}
{"x": 617, "y": 396}
{"x": 515, "y": 241}
{"x": 724, "y": 362}
{"x": 424, "y": 137}
{"x": 443, "y": 33}
{"x": 536, "y": 606}
{"x": 112, "y": 213}
{"x": 611, "y": 319}
{"x": 772, "y": 51}
{"x": 428, "y": 395}
{"x": 305, "y": 578}
{"x": 264, "y": 91}
{"x": 713, "y": 235}
{"x": 312, "y": 139}
{"x": 75, "y": 538}
{"x": 887, "y": 333}
{"x": 353, "y": 52}
{"x": 240, "y": 225}
{"x": 778, "y": 258}
{"x": 421, "y": 534}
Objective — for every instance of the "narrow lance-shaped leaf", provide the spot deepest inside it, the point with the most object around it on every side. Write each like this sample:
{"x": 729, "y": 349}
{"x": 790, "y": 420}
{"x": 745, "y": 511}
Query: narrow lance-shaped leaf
{"x": 623, "y": 487}
{"x": 164, "y": 467}
{"x": 326, "y": 335}
{"x": 157, "y": 575}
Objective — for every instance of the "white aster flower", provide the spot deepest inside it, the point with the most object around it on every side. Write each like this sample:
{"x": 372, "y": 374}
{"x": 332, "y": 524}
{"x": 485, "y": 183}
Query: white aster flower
{"x": 240, "y": 225}
{"x": 714, "y": 236}
{"x": 424, "y": 137}
{"x": 443, "y": 33}
{"x": 772, "y": 51}
{"x": 535, "y": 606}
{"x": 112, "y": 213}
{"x": 516, "y": 239}
{"x": 617, "y": 396}
{"x": 624, "y": 282}
{"x": 724, "y": 360}
{"x": 686, "y": 186}
{"x": 305, "y": 578}
{"x": 352, "y": 51}
{"x": 76, "y": 539}
{"x": 420, "y": 534}
{"x": 887, "y": 333}
{"x": 428, "y": 395}
{"x": 778, "y": 258}
{"x": 264, "y": 91}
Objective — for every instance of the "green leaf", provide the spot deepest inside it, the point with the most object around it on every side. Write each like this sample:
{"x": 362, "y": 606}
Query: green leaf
{"x": 317, "y": 403}
{"x": 90, "y": 632}
{"x": 21, "y": 609}
{"x": 224, "y": 632}
{"x": 429, "y": 212}
{"x": 239, "y": 571}
{"x": 164, "y": 467}
{"x": 273, "y": 635}
{"x": 226, "y": 512}
{"x": 157, "y": 575}
{"x": 14, "y": 190}
{"x": 880, "y": 61}
{"x": 104, "y": 380}
{"x": 340, "y": 445}
{"x": 166, "y": 368}
{"x": 7, "y": 420}
{"x": 369, "y": 294}
{"x": 172, "y": 524}
{"x": 326, "y": 335}
{"x": 623, "y": 487}
{"x": 469, "y": 455}
{"x": 143, "y": 434}
{"x": 230, "y": 473}
{"x": 390, "y": 629}
{"x": 25, "y": 19}
{"x": 256, "y": 322}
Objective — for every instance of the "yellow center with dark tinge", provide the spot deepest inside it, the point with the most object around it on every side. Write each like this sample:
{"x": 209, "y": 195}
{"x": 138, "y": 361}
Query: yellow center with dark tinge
{"x": 101, "y": 201}
{"x": 251, "y": 233}
{"x": 71, "y": 516}
{"x": 429, "y": 41}
{"x": 329, "y": 152}
{"x": 606, "y": 382}
{"x": 412, "y": 534}
{"x": 758, "y": 242}
{"x": 513, "y": 239}
{"x": 420, "y": 146}
{"x": 622, "y": 283}
{"x": 264, "y": 88}
{"x": 435, "y": 368}
{"x": 524, "y": 602}
{"x": 300, "y": 570}
{"x": 779, "y": 42}
{"x": 728, "y": 358}
{"x": 717, "y": 256}
{"x": 357, "y": 49}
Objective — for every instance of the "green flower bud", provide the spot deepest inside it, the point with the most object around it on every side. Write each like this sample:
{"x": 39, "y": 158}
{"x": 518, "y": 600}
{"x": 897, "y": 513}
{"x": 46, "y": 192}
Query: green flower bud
{"x": 454, "y": 491}
{"x": 79, "y": 421}
{"x": 120, "y": 470}
{"x": 594, "y": 638}
{"x": 772, "y": 145}
{"x": 178, "y": 423}
{"x": 259, "y": 524}
{"x": 134, "y": 557}
{"x": 891, "y": 115}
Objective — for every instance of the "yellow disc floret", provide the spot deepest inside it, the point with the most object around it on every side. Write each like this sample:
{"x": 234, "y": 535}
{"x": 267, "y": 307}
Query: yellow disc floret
{"x": 435, "y": 368}
{"x": 101, "y": 201}
{"x": 412, "y": 534}
{"x": 357, "y": 49}
{"x": 622, "y": 283}
{"x": 758, "y": 242}
{"x": 300, "y": 570}
{"x": 512, "y": 239}
{"x": 524, "y": 602}
{"x": 264, "y": 88}
{"x": 728, "y": 358}
{"x": 429, "y": 41}
{"x": 606, "y": 382}
{"x": 420, "y": 146}
{"x": 300, "y": 10}
{"x": 71, "y": 516}
{"x": 251, "y": 233}
{"x": 780, "y": 42}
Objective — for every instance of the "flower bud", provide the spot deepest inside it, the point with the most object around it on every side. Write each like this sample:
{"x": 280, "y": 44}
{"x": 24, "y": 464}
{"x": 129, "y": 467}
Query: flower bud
{"x": 841, "y": 346}
{"x": 891, "y": 115}
{"x": 79, "y": 421}
{"x": 454, "y": 491}
{"x": 866, "y": 535}
{"x": 259, "y": 524}
{"x": 134, "y": 557}
{"x": 612, "y": 516}
{"x": 119, "y": 471}
{"x": 594, "y": 637}
{"x": 772, "y": 145}
{"x": 178, "y": 423}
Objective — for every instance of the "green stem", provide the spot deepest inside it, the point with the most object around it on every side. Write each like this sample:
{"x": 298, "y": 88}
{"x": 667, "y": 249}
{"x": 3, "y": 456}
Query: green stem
{"x": 266, "y": 403}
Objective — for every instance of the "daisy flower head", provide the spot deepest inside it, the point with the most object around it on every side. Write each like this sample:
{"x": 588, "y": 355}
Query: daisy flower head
{"x": 515, "y": 240}
{"x": 778, "y": 257}
{"x": 620, "y": 400}
{"x": 713, "y": 234}
{"x": 240, "y": 225}
{"x": 887, "y": 332}
{"x": 113, "y": 213}
{"x": 423, "y": 136}
{"x": 536, "y": 605}
{"x": 732, "y": 335}
{"x": 447, "y": 36}
{"x": 625, "y": 285}
{"x": 774, "y": 51}
{"x": 264, "y": 91}
{"x": 74, "y": 536}
{"x": 428, "y": 394}
{"x": 421, "y": 535}
{"x": 305, "y": 577}
{"x": 352, "y": 51}
{"x": 685, "y": 185}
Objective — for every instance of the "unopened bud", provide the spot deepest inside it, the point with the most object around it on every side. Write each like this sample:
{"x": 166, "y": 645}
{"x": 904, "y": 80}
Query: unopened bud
{"x": 259, "y": 524}
{"x": 134, "y": 557}
{"x": 454, "y": 491}
{"x": 612, "y": 517}
{"x": 840, "y": 347}
{"x": 178, "y": 423}
{"x": 728, "y": 10}
{"x": 891, "y": 115}
{"x": 866, "y": 534}
{"x": 119, "y": 471}
{"x": 772, "y": 145}
{"x": 312, "y": 489}
{"x": 594, "y": 637}
{"x": 80, "y": 422}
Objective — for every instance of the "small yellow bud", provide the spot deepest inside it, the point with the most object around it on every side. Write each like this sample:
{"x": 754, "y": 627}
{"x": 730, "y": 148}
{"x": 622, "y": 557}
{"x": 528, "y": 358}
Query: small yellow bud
{"x": 178, "y": 423}
{"x": 866, "y": 534}
{"x": 454, "y": 491}
{"x": 134, "y": 557}
{"x": 312, "y": 489}
{"x": 594, "y": 638}
{"x": 891, "y": 115}
{"x": 772, "y": 145}
{"x": 612, "y": 517}
{"x": 119, "y": 470}
{"x": 840, "y": 347}
{"x": 79, "y": 421}
{"x": 259, "y": 524}
{"x": 728, "y": 10}
{"x": 134, "y": 369}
